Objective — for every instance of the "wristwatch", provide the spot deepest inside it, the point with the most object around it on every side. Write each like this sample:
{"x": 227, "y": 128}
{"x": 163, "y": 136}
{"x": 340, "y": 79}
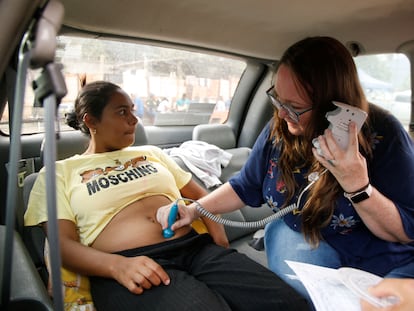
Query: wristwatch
{"x": 359, "y": 195}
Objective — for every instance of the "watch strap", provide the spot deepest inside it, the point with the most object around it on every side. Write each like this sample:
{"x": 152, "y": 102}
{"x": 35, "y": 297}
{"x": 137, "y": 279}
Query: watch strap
{"x": 359, "y": 195}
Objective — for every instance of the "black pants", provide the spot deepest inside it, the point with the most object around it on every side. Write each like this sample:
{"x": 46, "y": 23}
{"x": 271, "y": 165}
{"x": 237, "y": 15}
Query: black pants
{"x": 204, "y": 277}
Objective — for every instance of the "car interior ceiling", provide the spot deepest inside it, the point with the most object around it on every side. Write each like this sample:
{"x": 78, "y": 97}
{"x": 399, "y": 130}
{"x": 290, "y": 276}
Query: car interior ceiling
{"x": 261, "y": 31}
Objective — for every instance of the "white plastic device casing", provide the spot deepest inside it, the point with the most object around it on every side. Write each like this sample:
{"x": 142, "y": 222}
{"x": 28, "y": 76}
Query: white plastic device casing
{"x": 340, "y": 119}
{"x": 339, "y": 122}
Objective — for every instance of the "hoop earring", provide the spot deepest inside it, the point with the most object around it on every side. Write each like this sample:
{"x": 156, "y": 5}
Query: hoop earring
{"x": 94, "y": 131}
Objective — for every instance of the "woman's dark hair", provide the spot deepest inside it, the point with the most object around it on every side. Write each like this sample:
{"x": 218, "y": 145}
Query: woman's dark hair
{"x": 92, "y": 100}
{"x": 324, "y": 71}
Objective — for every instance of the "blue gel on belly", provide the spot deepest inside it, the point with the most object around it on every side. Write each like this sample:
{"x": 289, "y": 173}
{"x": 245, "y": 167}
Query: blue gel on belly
{"x": 167, "y": 232}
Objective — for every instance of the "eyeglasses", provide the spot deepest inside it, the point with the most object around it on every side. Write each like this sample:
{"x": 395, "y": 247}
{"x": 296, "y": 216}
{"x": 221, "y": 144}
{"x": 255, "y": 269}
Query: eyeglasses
{"x": 293, "y": 114}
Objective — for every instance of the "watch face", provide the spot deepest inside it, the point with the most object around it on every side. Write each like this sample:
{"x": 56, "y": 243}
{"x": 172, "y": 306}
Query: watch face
{"x": 359, "y": 197}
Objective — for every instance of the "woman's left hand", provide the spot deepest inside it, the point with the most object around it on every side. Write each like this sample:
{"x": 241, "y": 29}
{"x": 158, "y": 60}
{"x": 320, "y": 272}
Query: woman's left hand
{"x": 348, "y": 166}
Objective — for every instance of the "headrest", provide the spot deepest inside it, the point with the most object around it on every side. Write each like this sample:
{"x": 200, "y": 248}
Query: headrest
{"x": 220, "y": 135}
{"x": 140, "y": 135}
{"x": 75, "y": 142}
{"x": 68, "y": 144}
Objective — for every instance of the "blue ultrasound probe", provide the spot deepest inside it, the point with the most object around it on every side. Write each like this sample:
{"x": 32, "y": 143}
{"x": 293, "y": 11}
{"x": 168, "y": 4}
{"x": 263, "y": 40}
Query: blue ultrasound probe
{"x": 167, "y": 232}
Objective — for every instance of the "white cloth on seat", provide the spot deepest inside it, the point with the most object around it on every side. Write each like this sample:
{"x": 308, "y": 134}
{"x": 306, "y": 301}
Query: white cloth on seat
{"x": 202, "y": 159}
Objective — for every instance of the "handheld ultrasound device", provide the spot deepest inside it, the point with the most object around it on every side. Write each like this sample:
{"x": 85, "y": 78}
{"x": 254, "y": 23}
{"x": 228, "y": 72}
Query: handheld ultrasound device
{"x": 172, "y": 217}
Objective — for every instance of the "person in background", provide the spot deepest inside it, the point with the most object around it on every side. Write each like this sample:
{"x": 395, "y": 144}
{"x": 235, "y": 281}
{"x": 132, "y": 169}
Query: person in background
{"x": 183, "y": 103}
{"x": 164, "y": 105}
{"x": 360, "y": 211}
{"x": 139, "y": 106}
{"x": 400, "y": 289}
{"x": 151, "y": 108}
{"x": 107, "y": 199}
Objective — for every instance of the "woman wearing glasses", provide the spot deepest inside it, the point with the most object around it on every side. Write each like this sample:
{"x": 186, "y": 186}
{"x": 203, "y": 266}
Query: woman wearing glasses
{"x": 360, "y": 213}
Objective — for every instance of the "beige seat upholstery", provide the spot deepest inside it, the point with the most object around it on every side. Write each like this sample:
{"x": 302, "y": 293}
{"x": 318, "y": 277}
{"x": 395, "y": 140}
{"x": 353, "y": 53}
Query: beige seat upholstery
{"x": 70, "y": 143}
{"x": 223, "y": 136}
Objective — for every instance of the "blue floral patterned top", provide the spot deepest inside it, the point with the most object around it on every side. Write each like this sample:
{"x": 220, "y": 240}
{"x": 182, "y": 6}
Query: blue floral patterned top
{"x": 391, "y": 171}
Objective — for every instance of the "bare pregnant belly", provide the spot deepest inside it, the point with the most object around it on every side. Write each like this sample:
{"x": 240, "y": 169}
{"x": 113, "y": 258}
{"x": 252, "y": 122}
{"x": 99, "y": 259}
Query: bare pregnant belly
{"x": 135, "y": 226}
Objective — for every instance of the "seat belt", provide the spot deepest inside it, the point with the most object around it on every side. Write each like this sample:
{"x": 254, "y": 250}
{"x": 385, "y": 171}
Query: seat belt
{"x": 12, "y": 182}
{"x": 50, "y": 88}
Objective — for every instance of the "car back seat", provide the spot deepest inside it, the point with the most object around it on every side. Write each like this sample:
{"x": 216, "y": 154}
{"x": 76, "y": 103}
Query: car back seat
{"x": 74, "y": 142}
{"x": 26, "y": 290}
{"x": 223, "y": 136}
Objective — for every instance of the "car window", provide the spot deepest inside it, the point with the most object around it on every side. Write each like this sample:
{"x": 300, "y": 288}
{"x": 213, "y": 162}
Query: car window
{"x": 169, "y": 86}
{"x": 385, "y": 79}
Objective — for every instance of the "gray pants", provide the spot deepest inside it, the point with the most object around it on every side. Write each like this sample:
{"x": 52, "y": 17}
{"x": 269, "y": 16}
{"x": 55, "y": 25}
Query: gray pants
{"x": 204, "y": 277}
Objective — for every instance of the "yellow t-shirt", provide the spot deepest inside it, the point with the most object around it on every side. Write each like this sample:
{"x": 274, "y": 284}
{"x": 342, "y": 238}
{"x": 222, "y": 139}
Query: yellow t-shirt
{"x": 92, "y": 189}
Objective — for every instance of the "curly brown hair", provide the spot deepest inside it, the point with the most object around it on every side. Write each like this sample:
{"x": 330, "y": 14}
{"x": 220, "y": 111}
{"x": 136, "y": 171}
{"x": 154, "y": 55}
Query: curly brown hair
{"x": 325, "y": 71}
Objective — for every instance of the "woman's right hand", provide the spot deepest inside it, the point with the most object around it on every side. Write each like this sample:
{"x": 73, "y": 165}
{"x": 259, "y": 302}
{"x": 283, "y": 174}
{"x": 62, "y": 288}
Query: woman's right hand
{"x": 187, "y": 214}
{"x": 138, "y": 273}
{"x": 135, "y": 273}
